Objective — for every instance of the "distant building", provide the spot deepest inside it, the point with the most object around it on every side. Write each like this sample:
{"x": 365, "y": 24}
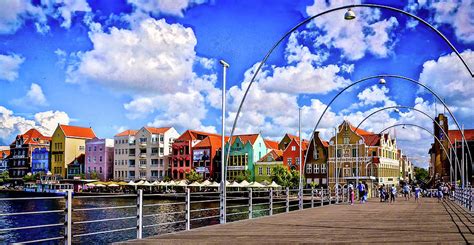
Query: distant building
{"x": 456, "y": 137}
{"x": 291, "y": 154}
{"x": 207, "y": 157}
{"x": 245, "y": 150}
{"x": 99, "y": 158}
{"x": 264, "y": 167}
{"x": 143, "y": 154}
{"x": 76, "y": 168}
{"x": 40, "y": 160}
{"x": 4, "y": 156}
{"x": 67, "y": 144}
{"x": 20, "y": 153}
{"x": 182, "y": 155}
{"x": 317, "y": 163}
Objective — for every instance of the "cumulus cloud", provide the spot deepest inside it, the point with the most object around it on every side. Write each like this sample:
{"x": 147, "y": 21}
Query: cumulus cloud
{"x": 175, "y": 7}
{"x": 33, "y": 98}
{"x": 14, "y": 13}
{"x": 365, "y": 34}
{"x": 457, "y": 14}
{"x": 45, "y": 122}
{"x": 9, "y": 66}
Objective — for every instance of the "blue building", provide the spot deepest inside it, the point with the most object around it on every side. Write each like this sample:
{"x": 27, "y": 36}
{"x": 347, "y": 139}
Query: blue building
{"x": 40, "y": 160}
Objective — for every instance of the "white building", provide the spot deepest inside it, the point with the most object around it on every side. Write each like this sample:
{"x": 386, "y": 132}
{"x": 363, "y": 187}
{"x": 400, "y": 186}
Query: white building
{"x": 143, "y": 154}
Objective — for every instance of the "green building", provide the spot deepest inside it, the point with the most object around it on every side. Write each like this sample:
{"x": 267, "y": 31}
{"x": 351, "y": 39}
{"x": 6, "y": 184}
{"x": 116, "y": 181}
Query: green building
{"x": 264, "y": 166}
{"x": 245, "y": 150}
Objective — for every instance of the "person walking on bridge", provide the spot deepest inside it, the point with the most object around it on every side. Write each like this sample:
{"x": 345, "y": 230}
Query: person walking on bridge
{"x": 351, "y": 194}
{"x": 417, "y": 193}
{"x": 393, "y": 193}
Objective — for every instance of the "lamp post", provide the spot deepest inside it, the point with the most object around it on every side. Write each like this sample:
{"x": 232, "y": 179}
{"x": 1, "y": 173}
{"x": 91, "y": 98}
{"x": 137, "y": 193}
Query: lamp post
{"x": 301, "y": 161}
{"x": 336, "y": 186}
{"x": 223, "y": 169}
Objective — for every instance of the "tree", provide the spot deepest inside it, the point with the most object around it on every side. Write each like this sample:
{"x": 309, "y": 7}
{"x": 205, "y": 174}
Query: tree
{"x": 94, "y": 175}
{"x": 246, "y": 176}
{"x": 31, "y": 177}
{"x": 282, "y": 176}
{"x": 4, "y": 177}
{"x": 421, "y": 174}
{"x": 192, "y": 176}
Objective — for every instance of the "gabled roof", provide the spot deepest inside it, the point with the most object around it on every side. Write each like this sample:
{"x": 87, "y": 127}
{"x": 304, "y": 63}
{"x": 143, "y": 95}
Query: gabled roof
{"x": 193, "y": 135}
{"x": 7, "y": 153}
{"x": 359, "y": 131}
{"x": 246, "y": 138}
{"x": 157, "y": 130}
{"x": 455, "y": 135}
{"x": 305, "y": 143}
{"x": 325, "y": 143}
{"x": 127, "y": 132}
{"x": 276, "y": 154}
{"x": 214, "y": 141}
{"x": 31, "y": 137}
{"x": 270, "y": 144}
{"x": 371, "y": 139}
{"x": 77, "y": 132}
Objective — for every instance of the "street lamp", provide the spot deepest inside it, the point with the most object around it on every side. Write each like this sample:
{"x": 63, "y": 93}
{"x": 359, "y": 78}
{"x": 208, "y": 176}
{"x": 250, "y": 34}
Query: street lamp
{"x": 223, "y": 198}
{"x": 349, "y": 15}
{"x": 382, "y": 81}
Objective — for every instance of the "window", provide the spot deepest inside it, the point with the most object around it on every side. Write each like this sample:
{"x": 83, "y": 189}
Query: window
{"x": 269, "y": 171}
{"x": 89, "y": 148}
{"x": 142, "y": 174}
{"x": 142, "y": 140}
{"x": 297, "y": 160}
{"x": 154, "y": 151}
{"x": 293, "y": 148}
{"x": 142, "y": 162}
{"x": 308, "y": 168}
{"x": 154, "y": 162}
{"x": 323, "y": 168}
{"x": 131, "y": 174}
{"x": 89, "y": 159}
{"x": 315, "y": 153}
{"x": 154, "y": 173}
{"x": 162, "y": 151}
{"x": 100, "y": 158}
{"x": 316, "y": 168}
{"x": 131, "y": 163}
{"x": 161, "y": 138}
{"x": 95, "y": 148}
{"x": 100, "y": 169}
{"x": 81, "y": 147}
{"x": 260, "y": 171}
{"x": 354, "y": 152}
{"x": 289, "y": 161}
{"x": 346, "y": 140}
{"x": 339, "y": 152}
{"x": 161, "y": 162}
{"x": 95, "y": 159}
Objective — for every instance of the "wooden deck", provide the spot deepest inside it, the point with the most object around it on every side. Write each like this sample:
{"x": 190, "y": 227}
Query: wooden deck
{"x": 403, "y": 222}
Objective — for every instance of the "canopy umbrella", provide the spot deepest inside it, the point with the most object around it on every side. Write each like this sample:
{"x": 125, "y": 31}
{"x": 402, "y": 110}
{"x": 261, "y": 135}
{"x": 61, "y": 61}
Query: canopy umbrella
{"x": 131, "y": 183}
{"x": 171, "y": 183}
{"x": 122, "y": 183}
{"x": 206, "y": 183}
{"x": 234, "y": 184}
{"x": 113, "y": 185}
{"x": 195, "y": 184}
{"x": 146, "y": 183}
{"x": 90, "y": 184}
{"x": 162, "y": 183}
{"x": 100, "y": 185}
{"x": 256, "y": 185}
{"x": 155, "y": 183}
{"x": 140, "y": 182}
{"x": 182, "y": 183}
{"x": 214, "y": 185}
{"x": 244, "y": 183}
{"x": 274, "y": 185}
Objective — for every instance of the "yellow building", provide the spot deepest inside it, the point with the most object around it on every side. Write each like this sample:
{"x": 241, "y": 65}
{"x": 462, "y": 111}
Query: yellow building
{"x": 67, "y": 143}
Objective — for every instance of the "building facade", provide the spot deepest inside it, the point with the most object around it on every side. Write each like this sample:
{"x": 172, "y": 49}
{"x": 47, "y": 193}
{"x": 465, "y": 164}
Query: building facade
{"x": 99, "y": 159}
{"x": 245, "y": 150}
{"x": 68, "y": 143}
{"x": 40, "y": 160}
{"x": 316, "y": 165}
{"x": 76, "y": 168}
{"x": 264, "y": 167}
{"x": 144, "y": 153}
{"x": 182, "y": 160}
{"x": 207, "y": 157}
{"x": 4, "y": 156}
{"x": 20, "y": 161}
{"x": 291, "y": 154}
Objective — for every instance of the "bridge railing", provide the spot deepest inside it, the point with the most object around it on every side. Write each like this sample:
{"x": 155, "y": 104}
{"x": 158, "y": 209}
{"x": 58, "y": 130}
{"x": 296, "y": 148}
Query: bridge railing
{"x": 464, "y": 197}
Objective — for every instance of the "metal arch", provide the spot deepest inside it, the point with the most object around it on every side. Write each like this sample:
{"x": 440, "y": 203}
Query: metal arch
{"x": 267, "y": 55}
{"x": 418, "y": 126}
{"x": 400, "y": 77}
{"x": 420, "y": 111}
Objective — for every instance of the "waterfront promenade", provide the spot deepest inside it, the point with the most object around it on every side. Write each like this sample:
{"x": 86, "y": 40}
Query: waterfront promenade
{"x": 429, "y": 222}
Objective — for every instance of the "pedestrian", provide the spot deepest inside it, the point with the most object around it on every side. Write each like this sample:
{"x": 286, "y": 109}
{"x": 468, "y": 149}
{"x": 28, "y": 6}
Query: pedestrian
{"x": 351, "y": 194}
{"x": 406, "y": 191}
{"x": 361, "y": 189}
{"x": 366, "y": 191}
{"x": 440, "y": 192}
{"x": 381, "y": 191}
{"x": 417, "y": 193}
{"x": 393, "y": 193}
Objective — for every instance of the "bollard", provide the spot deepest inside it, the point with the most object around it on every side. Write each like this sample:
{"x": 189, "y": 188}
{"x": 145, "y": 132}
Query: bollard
{"x": 188, "y": 209}
{"x": 250, "y": 204}
{"x": 68, "y": 219}
{"x": 271, "y": 201}
{"x": 139, "y": 214}
{"x": 312, "y": 197}
{"x": 287, "y": 199}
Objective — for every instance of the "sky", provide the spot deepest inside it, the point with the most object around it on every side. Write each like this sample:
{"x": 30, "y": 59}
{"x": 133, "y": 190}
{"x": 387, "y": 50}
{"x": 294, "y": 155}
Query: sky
{"x": 142, "y": 62}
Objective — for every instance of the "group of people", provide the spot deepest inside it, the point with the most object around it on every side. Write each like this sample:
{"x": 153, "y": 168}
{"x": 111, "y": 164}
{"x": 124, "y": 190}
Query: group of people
{"x": 391, "y": 192}
{"x": 443, "y": 190}
{"x": 362, "y": 188}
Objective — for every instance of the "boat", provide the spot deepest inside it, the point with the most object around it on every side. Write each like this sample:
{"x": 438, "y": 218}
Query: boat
{"x": 48, "y": 184}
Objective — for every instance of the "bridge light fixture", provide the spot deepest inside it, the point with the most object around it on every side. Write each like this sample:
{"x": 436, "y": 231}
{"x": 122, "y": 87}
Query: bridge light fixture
{"x": 349, "y": 15}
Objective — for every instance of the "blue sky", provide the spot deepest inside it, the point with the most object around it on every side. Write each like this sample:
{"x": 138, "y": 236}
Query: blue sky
{"x": 143, "y": 62}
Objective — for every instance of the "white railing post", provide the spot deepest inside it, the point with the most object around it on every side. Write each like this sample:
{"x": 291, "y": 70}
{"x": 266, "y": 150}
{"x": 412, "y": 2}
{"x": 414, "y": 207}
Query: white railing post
{"x": 343, "y": 200}
{"x": 139, "y": 214}
{"x": 250, "y": 204}
{"x": 68, "y": 219}
{"x": 312, "y": 197}
{"x": 271, "y": 201}
{"x": 322, "y": 196}
{"x": 287, "y": 199}
{"x": 300, "y": 198}
{"x": 188, "y": 209}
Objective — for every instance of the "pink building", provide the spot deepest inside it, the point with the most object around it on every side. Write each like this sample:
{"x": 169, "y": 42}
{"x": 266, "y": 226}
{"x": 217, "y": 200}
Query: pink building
{"x": 100, "y": 158}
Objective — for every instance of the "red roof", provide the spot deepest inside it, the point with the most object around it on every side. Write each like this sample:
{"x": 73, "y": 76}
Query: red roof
{"x": 270, "y": 144}
{"x": 246, "y": 138}
{"x": 77, "y": 132}
{"x": 127, "y": 132}
{"x": 276, "y": 154}
{"x": 214, "y": 141}
{"x": 371, "y": 139}
{"x": 325, "y": 143}
{"x": 7, "y": 152}
{"x": 359, "y": 131}
{"x": 193, "y": 135}
{"x": 455, "y": 135}
{"x": 157, "y": 130}
{"x": 31, "y": 137}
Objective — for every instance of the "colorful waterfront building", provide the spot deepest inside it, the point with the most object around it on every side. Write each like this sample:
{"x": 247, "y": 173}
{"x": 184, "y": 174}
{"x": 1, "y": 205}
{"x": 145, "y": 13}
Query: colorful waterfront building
{"x": 21, "y": 149}
{"x": 40, "y": 160}
{"x": 182, "y": 156}
{"x": 144, "y": 153}
{"x": 291, "y": 154}
{"x": 207, "y": 157}
{"x": 264, "y": 167}
{"x": 4, "y": 156}
{"x": 76, "y": 168}
{"x": 316, "y": 163}
{"x": 67, "y": 144}
{"x": 245, "y": 150}
{"x": 99, "y": 160}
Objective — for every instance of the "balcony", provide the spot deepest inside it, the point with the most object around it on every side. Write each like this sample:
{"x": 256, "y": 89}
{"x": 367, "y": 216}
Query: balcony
{"x": 143, "y": 166}
{"x": 142, "y": 144}
{"x": 142, "y": 155}
{"x": 132, "y": 142}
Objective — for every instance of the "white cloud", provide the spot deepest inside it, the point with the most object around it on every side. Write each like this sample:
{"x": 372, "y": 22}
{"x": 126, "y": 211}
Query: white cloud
{"x": 356, "y": 37}
{"x": 9, "y": 66}
{"x": 45, "y": 122}
{"x": 33, "y": 98}
{"x": 156, "y": 56}
{"x": 448, "y": 77}
{"x": 174, "y": 7}
{"x": 457, "y": 14}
